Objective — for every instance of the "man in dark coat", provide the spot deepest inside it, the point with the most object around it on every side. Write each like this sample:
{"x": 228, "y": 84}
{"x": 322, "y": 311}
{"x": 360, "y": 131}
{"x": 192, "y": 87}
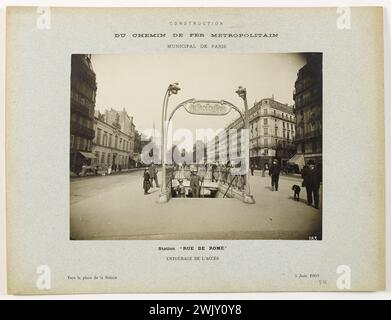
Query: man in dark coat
{"x": 153, "y": 175}
{"x": 274, "y": 172}
{"x": 214, "y": 169}
{"x": 195, "y": 184}
{"x": 146, "y": 181}
{"x": 311, "y": 175}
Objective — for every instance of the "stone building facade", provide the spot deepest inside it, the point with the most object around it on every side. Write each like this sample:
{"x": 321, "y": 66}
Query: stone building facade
{"x": 114, "y": 143}
{"x": 271, "y": 134}
{"x": 83, "y": 94}
{"x": 308, "y": 109}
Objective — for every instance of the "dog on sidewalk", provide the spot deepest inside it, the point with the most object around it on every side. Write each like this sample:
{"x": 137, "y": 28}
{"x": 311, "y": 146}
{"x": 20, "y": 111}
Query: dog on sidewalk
{"x": 296, "y": 192}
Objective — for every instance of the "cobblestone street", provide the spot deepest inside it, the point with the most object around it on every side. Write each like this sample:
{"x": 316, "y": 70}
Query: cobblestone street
{"x": 114, "y": 207}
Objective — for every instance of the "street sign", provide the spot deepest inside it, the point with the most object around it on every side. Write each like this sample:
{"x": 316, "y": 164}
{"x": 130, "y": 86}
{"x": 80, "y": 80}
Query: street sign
{"x": 207, "y": 107}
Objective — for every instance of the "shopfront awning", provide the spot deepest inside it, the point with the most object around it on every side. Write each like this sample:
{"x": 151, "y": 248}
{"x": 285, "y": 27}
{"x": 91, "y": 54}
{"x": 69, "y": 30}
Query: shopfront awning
{"x": 88, "y": 155}
{"x": 298, "y": 159}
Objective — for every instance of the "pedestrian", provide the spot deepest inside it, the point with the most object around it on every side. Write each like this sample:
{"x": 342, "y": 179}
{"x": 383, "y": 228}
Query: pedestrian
{"x": 195, "y": 184}
{"x": 312, "y": 176}
{"x": 274, "y": 173}
{"x": 151, "y": 171}
{"x": 252, "y": 167}
{"x": 265, "y": 168}
{"x": 147, "y": 182}
{"x": 180, "y": 189}
{"x": 153, "y": 175}
{"x": 214, "y": 167}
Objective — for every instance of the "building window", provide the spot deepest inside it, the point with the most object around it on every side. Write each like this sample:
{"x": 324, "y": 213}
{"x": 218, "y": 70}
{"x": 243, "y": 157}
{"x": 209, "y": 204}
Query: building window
{"x": 103, "y": 158}
{"x": 265, "y": 111}
{"x": 110, "y": 139}
{"x": 77, "y": 142}
{"x": 265, "y": 142}
{"x": 265, "y": 131}
{"x": 98, "y": 136}
{"x": 265, "y": 121}
{"x": 72, "y": 140}
{"x": 105, "y": 138}
{"x": 276, "y": 131}
{"x": 97, "y": 156}
{"x": 116, "y": 142}
{"x": 283, "y": 124}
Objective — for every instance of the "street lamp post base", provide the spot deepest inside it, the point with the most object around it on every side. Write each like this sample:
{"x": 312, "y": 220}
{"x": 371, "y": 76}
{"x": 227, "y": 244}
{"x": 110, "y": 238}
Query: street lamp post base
{"x": 163, "y": 197}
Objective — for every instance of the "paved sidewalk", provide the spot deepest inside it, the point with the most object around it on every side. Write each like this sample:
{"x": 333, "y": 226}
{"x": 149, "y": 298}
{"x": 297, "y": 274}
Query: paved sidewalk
{"x": 114, "y": 207}
{"x": 74, "y": 176}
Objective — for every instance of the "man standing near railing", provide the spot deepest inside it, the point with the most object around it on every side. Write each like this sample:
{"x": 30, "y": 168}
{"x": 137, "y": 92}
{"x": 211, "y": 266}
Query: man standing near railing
{"x": 213, "y": 169}
{"x": 195, "y": 184}
{"x": 153, "y": 174}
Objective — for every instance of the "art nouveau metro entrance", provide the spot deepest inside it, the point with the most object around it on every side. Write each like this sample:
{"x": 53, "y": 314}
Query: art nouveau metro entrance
{"x": 225, "y": 184}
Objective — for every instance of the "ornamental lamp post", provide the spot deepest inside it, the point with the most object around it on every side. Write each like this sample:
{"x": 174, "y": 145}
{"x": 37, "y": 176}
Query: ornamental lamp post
{"x": 172, "y": 89}
{"x": 247, "y": 197}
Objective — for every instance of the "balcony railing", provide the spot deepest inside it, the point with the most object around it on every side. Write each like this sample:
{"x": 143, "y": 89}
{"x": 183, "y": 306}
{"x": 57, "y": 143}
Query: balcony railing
{"x": 310, "y": 100}
{"x": 80, "y": 130}
{"x": 82, "y": 105}
{"x": 283, "y": 118}
{"x": 308, "y": 135}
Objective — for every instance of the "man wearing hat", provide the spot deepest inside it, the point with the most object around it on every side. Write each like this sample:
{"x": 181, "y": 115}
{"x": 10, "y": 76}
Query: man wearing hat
{"x": 181, "y": 190}
{"x": 153, "y": 174}
{"x": 195, "y": 184}
{"x": 274, "y": 172}
{"x": 311, "y": 181}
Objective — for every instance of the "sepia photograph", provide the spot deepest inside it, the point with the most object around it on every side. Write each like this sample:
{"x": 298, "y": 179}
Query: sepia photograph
{"x": 195, "y": 150}
{"x": 196, "y": 146}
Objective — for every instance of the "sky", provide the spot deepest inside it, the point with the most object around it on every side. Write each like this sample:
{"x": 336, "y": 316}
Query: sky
{"x": 137, "y": 83}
